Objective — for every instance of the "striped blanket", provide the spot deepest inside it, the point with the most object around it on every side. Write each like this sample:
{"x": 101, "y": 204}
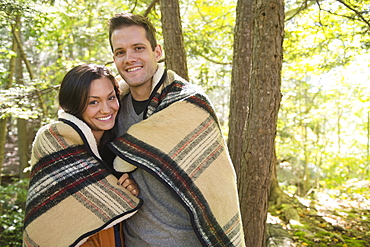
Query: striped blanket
{"x": 71, "y": 194}
{"x": 180, "y": 143}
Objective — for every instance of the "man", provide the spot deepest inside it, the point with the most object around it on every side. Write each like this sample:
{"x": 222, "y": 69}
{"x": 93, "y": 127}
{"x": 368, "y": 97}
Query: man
{"x": 171, "y": 141}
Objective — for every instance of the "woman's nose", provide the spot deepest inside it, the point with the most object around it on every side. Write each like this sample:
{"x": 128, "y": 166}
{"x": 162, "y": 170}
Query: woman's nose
{"x": 105, "y": 107}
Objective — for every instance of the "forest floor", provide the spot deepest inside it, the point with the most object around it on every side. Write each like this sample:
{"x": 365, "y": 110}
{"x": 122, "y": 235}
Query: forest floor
{"x": 331, "y": 218}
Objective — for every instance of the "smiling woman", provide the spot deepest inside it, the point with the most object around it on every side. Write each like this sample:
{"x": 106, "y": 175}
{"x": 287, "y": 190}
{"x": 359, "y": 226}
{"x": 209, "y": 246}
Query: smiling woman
{"x": 74, "y": 199}
{"x": 102, "y": 107}
{"x": 89, "y": 92}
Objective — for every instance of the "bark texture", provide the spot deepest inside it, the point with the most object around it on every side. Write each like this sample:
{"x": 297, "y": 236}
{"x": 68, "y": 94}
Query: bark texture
{"x": 174, "y": 49}
{"x": 255, "y": 100}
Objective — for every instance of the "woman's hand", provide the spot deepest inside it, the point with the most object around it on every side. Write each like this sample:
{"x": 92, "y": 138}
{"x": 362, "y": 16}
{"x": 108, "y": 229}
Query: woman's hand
{"x": 129, "y": 183}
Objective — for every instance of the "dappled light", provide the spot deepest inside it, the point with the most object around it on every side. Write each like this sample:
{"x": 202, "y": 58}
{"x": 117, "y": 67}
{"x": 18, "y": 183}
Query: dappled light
{"x": 294, "y": 106}
{"x": 335, "y": 217}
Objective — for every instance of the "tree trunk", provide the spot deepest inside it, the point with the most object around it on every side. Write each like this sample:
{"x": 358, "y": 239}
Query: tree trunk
{"x": 3, "y": 133}
{"x": 23, "y": 150}
{"x": 22, "y": 54}
{"x": 239, "y": 97}
{"x": 276, "y": 196}
{"x": 175, "y": 55}
{"x": 4, "y": 121}
{"x": 239, "y": 92}
{"x": 255, "y": 100}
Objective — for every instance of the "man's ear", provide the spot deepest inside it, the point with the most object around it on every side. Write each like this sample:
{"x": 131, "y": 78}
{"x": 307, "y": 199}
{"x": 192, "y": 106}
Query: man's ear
{"x": 158, "y": 52}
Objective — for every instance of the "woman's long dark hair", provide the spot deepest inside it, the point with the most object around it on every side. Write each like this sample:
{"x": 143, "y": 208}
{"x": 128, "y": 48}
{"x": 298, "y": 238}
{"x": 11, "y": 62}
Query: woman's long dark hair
{"x": 73, "y": 96}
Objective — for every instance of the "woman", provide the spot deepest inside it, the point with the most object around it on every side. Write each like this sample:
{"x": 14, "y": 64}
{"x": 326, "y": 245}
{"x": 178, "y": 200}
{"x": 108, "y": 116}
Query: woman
{"x": 73, "y": 197}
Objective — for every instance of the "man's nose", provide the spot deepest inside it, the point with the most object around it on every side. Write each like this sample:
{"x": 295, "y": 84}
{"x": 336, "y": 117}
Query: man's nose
{"x": 130, "y": 56}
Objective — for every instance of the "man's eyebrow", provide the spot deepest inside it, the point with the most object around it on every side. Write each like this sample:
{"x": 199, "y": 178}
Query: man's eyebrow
{"x": 117, "y": 49}
{"x": 136, "y": 44}
{"x": 133, "y": 45}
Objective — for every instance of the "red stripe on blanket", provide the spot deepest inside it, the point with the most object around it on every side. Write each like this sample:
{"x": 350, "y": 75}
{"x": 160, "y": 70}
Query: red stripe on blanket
{"x": 186, "y": 187}
{"x": 39, "y": 167}
{"x": 219, "y": 147}
{"x": 191, "y": 139}
{"x": 55, "y": 195}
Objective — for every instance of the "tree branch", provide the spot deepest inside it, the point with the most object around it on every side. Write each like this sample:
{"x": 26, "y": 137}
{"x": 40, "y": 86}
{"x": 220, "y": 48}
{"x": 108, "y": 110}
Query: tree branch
{"x": 150, "y": 7}
{"x": 133, "y": 9}
{"x": 23, "y": 54}
{"x": 290, "y": 14}
{"x": 356, "y": 12}
{"x": 214, "y": 61}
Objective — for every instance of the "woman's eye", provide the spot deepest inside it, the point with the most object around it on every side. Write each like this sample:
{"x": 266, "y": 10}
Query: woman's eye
{"x": 112, "y": 97}
{"x": 94, "y": 102}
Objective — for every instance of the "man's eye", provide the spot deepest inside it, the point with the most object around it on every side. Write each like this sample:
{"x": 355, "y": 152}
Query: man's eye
{"x": 139, "y": 48}
{"x": 119, "y": 54}
{"x": 112, "y": 97}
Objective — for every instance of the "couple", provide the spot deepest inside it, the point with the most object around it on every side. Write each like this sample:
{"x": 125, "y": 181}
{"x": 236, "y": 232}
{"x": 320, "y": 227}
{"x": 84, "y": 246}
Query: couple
{"x": 157, "y": 128}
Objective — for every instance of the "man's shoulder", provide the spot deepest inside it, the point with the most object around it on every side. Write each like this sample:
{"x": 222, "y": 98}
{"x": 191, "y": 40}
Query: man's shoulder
{"x": 176, "y": 83}
{"x": 173, "y": 77}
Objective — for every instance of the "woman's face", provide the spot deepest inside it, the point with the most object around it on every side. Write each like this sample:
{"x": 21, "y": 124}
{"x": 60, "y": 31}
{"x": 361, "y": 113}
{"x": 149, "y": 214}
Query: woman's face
{"x": 102, "y": 106}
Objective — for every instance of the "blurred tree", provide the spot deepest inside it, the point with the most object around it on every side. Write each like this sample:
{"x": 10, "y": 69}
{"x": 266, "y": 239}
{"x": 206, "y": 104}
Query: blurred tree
{"x": 175, "y": 55}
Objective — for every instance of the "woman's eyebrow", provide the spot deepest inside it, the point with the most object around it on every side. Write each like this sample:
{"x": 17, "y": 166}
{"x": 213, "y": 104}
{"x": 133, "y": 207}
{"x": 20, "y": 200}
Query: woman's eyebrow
{"x": 92, "y": 96}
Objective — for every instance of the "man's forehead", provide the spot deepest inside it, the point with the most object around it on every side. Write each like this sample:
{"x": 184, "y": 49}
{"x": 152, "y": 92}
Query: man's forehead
{"x": 128, "y": 37}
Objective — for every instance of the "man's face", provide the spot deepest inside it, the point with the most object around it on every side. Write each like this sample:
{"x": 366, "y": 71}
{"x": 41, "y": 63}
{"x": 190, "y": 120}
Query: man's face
{"x": 134, "y": 58}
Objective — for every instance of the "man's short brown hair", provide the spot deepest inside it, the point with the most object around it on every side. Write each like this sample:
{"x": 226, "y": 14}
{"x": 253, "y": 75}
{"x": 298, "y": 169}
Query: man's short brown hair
{"x": 126, "y": 20}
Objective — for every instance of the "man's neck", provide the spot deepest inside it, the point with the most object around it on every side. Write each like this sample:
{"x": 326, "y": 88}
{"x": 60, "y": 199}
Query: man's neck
{"x": 141, "y": 93}
{"x": 139, "y": 106}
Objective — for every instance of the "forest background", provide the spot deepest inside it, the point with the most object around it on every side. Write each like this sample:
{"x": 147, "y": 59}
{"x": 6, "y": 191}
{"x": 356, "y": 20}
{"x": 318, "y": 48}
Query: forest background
{"x": 323, "y": 126}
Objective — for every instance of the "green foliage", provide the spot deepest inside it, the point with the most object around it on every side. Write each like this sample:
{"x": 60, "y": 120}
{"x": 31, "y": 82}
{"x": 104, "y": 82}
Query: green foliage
{"x": 23, "y": 101}
{"x": 208, "y": 33}
{"x": 13, "y": 8}
{"x": 208, "y": 28}
{"x": 12, "y": 202}
{"x": 302, "y": 238}
{"x": 323, "y": 120}
{"x": 354, "y": 242}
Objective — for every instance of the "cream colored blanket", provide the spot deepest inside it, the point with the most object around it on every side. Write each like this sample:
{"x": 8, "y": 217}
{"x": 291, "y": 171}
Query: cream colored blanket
{"x": 181, "y": 144}
{"x": 71, "y": 194}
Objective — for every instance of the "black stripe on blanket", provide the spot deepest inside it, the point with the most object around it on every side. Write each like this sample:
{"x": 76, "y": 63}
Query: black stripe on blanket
{"x": 166, "y": 170}
{"x": 177, "y": 91}
{"x": 69, "y": 175}
{"x": 198, "y": 149}
{"x": 202, "y": 102}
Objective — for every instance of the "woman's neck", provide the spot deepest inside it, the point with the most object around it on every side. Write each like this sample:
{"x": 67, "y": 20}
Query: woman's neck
{"x": 98, "y": 134}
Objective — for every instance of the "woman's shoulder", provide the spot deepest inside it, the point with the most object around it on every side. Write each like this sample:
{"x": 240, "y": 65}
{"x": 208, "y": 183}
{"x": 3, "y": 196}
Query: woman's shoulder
{"x": 52, "y": 138}
{"x": 56, "y": 136}
{"x": 58, "y": 131}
